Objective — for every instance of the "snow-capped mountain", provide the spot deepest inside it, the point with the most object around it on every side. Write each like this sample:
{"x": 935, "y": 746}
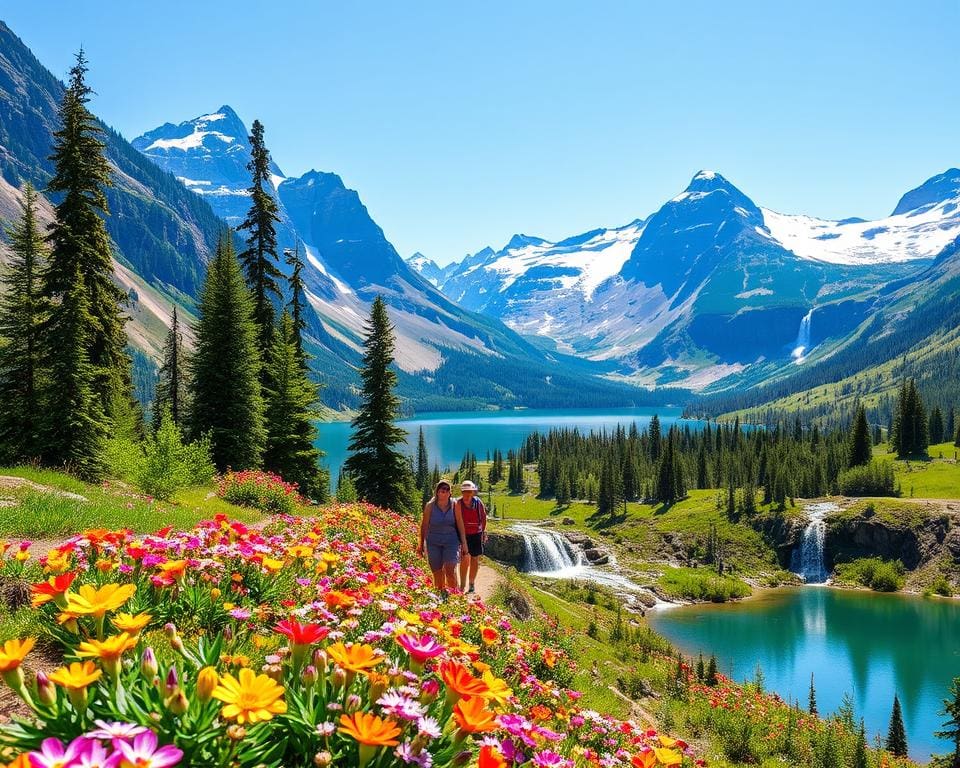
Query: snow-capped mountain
{"x": 427, "y": 268}
{"x": 709, "y": 283}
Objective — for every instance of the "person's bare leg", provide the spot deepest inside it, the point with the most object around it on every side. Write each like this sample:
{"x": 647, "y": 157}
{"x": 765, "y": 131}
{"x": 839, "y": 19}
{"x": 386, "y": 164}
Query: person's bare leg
{"x": 464, "y": 565}
{"x": 450, "y": 570}
{"x": 437, "y": 579}
{"x": 474, "y": 569}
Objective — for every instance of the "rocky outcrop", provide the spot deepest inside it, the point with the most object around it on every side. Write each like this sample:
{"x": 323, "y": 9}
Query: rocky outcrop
{"x": 782, "y": 533}
{"x": 913, "y": 544}
{"x": 505, "y": 547}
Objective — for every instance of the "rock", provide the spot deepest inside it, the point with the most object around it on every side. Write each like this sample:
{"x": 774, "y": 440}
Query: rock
{"x": 568, "y": 521}
{"x": 595, "y": 555}
{"x": 505, "y": 547}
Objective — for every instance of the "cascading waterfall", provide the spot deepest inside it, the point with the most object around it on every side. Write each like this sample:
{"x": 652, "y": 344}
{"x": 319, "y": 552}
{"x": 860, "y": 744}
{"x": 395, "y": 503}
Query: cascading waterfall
{"x": 802, "y": 345}
{"x": 807, "y": 559}
{"x": 547, "y": 552}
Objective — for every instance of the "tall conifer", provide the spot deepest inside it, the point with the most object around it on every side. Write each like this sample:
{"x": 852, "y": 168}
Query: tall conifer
{"x": 950, "y": 729}
{"x": 896, "y": 743}
{"x": 172, "y": 378}
{"x": 259, "y": 258}
{"x": 379, "y": 470}
{"x": 22, "y": 313}
{"x": 297, "y": 304}
{"x": 290, "y": 415}
{"x": 225, "y": 368}
{"x": 80, "y": 245}
{"x": 860, "y": 444}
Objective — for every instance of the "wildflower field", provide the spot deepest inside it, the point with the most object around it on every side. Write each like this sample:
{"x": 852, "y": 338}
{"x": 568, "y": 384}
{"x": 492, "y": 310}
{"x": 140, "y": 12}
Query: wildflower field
{"x": 314, "y": 641}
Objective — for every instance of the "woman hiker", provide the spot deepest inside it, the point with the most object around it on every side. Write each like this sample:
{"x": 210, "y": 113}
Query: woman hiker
{"x": 474, "y": 517}
{"x": 442, "y": 530}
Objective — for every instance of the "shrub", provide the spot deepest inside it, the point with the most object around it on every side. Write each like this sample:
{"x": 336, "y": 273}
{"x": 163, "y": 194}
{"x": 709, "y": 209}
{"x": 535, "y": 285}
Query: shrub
{"x": 880, "y": 575}
{"x": 702, "y": 585}
{"x": 873, "y": 479}
{"x": 941, "y": 587}
{"x": 166, "y": 464}
{"x": 262, "y": 490}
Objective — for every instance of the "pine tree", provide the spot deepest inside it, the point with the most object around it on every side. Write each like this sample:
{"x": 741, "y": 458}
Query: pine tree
{"x": 860, "y": 750}
{"x": 653, "y": 433}
{"x": 259, "y": 259}
{"x": 172, "y": 378}
{"x": 951, "y": 727}
{"x": 297, "y": 304}
{"x": 701, "y": 670}
{"x": 711, "y": 678}
{"x": 22, "y": 314}
{"x": 80, "y": 245}
{"x": 227, "y": 401}
{"x": 896, "y": 743}
{"x": 861, "y": 451}
{"x": 423, "y": 464}
{"x": 812, "y": 701}
{"x": 935, "y": 426}
{"x": 290, "y": 414}
{"x": 379, "y": 470}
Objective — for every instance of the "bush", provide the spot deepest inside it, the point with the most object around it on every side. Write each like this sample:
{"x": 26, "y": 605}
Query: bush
{"x": 702, "y": 585}
{"x": 262, "y": 490}
{"x": 168, "y": 465}
{"x": 941, "y": 587}
{"x": 879, "y": 575}
{"x": 873, "y": 479}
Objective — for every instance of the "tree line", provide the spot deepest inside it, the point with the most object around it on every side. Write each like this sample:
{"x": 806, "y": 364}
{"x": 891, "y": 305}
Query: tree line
{"x": 65, "y": 366}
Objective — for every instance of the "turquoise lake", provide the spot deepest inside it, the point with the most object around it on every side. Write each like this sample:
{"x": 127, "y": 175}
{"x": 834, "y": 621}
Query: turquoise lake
{"x": 449, "y": 435}
{"x": 863, "y": 643}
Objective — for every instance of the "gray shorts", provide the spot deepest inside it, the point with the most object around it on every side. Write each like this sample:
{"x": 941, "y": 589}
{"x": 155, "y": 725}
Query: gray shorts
{"x": 442, "y": 552}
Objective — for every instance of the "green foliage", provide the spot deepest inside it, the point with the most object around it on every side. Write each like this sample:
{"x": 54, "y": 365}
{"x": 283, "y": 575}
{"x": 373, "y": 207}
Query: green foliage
{"x": 290, "y": 415}
{"x": 226, "y": 399}
{"x": 168, "y": 465}
{"x": 260, "y": 490}
{"x": 896, "y": 742}
{"x": 702, "y": 585}
{"x": 861, "y": 448}
{"x": 298, "y": 302}
{"x": 874, "y": 572}
{"x": 909, "y": 434}
{"x": 875, "y": 478}
{"x": 950, "y": 728}
{"x": 379, "y": 470}
{"x": 22, "y": 312}
{"x": 346, "y": 490}
{"x": 172, "y": 385}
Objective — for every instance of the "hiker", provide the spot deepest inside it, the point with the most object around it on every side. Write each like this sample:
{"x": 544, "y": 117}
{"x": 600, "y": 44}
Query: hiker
{"x": 473, "y": 515}
{"x": 442, "y": 530}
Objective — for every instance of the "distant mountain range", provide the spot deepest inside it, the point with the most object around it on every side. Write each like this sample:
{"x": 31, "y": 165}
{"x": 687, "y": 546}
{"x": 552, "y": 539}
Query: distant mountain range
{"x": 710, "y": 290}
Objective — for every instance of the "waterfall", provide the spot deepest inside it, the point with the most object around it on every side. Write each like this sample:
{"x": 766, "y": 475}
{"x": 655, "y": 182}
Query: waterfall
{"x": 546, "y": 551}
{"x": 802, "y": 345}
{"x": 807, "y": 559}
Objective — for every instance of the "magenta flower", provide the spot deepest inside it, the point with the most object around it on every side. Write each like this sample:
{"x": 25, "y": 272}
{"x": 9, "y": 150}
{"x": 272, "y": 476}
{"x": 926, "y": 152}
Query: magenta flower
{"x": 53, "y": 754}
{"x": 112, "y": 730}
{"x": 420, "y": 649}
{"x": 95, "y": 756}
{"x": 143, "y": 753}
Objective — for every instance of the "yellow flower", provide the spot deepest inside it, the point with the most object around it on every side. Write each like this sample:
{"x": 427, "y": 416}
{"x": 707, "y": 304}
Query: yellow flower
{"x": 13, "y": 652}
{"x": 410, "y": 618}
{"x": 272, "y": 565}
{"x": 58, "y": 561}
{"x": 499, "y": 692}
{"x": 251, "y": 698}
{"x": 207, "y": 682}
{"x": 98, "y": 602}
{"x": 77, "y": 676}
{"x": 126, "y": 622}
{"x": 370, "y": 730}
{"x": 22, "y": 556}
{"x": 108, "y": 651}
{"x": 300, "y": 550}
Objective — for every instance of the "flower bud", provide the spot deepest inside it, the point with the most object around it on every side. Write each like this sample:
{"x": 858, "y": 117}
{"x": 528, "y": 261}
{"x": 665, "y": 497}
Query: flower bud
{"x": 178, "y": 703}
{"x": 215, "y": 593}
{"x": 236, "y": 732}
{"x": 352, "y": 704}
{"x": 228, "y": 633}
{"x": 172, "y": 683}
{"x": 461, "y": 758}
{"x": 429, "y": 691}
{"x": 339, "y": 678}
{"x": 323, "y": 759}
{"x": 309, "y": 675}
{"x": 207, "y": 681}
{"x": 320, "y": 659}
{"x": 46, "y": 691}
{"x": 148, "y": 663}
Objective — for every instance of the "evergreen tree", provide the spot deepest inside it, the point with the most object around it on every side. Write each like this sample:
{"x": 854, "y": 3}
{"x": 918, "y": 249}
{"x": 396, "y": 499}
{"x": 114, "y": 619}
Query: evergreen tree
{"x": 22, "y": 314}
{"x": 701, "y": 670}
{"x": 227, "y": 402}
{"x": 172, "y": 378}
{"x": 860, "y": 750}
{"x": 654, "y": 437}
{"x": 951, "y": 727}
{"x": 80, "y": 245}
{"x": 711, "y": 678}
{"x": 910, "y": 436}
{"x": 346, "y": 491}
{"x": 290, "y": 414}
{"x": 812, "y": 701}
{"x": 950, "y": 428}
{"x": 379, "y": 470}
{"x": 297, "y": 304}
{"x": 423, "y": 465}
{"x": 259, "y": 259}
{"x": 896, "y": 743}
{"x": 860, "y": 445}
{"x": 936, "y": 427}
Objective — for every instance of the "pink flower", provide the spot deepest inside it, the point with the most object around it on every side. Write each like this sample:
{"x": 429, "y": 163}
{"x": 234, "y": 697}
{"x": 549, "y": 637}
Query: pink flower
{"x": 95, "y": 756}
{"x": 52, "y": 753}
{"x": 420, "y": 649}
{"x": 143, "y": 753}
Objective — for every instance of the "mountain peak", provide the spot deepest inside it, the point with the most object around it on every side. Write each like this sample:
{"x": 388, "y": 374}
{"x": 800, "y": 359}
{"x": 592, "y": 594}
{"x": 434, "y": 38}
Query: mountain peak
{"x": 520, "y": 241}
{"x": 935, "y": 190}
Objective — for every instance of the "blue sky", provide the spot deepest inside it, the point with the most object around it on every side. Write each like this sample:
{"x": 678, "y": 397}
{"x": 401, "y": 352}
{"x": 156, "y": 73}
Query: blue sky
{"x": 462, "y": 123}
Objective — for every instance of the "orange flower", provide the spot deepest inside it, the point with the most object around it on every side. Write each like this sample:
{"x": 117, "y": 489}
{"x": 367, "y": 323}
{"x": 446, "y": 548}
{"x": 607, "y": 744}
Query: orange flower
{"x": 77, "y": 676}
{"x": 98, "y": 602}
{"x": 540, "y": 712}
{"x": 108, "y": 651}
{"x": 21, "y": 761}
{"x": 335, "y": 599}
{"x": 549, "y": 658}
{"x": 646, "y": 759}
{"x": 354, "y": 657}
{"x": 13, "y": 652}
{"x": 489, "y": 635}
{"x": 459, "y": 681}
{"x": 132, "y": 624}
{"x": 51, "y": 589}
{"x": 491, "y": 757}
{"x": 369, "y": 729}
{"x": 473, "y": 716}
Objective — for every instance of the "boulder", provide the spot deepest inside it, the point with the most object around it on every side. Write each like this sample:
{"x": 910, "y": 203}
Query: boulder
{"x": 505, "y": 547}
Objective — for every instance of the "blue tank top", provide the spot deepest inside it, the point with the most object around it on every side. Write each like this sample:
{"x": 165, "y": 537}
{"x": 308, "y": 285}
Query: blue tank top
{"x": 443, "y": 524}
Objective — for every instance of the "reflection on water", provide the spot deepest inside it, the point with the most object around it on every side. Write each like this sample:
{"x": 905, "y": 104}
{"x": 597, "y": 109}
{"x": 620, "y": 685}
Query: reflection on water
{"x": 867, "y": 644}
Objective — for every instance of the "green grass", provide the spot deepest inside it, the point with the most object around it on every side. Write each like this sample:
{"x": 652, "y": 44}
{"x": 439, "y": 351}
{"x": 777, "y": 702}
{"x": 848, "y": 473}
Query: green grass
{"x": 937, "y": 478}
{"x": 702, "y": 584}
{"x": 35, "y": 513}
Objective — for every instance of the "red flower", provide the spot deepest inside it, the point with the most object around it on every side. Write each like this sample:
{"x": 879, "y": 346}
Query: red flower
{"x": 51, "y": 589}
{"x": 302, "y": 634}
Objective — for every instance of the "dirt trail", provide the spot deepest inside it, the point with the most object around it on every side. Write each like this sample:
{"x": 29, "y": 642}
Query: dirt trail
{"x": 486, "y": 583}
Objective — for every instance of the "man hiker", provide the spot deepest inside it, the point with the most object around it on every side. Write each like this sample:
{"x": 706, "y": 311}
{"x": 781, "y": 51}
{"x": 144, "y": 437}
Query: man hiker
{"x": 474, "y": 516}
